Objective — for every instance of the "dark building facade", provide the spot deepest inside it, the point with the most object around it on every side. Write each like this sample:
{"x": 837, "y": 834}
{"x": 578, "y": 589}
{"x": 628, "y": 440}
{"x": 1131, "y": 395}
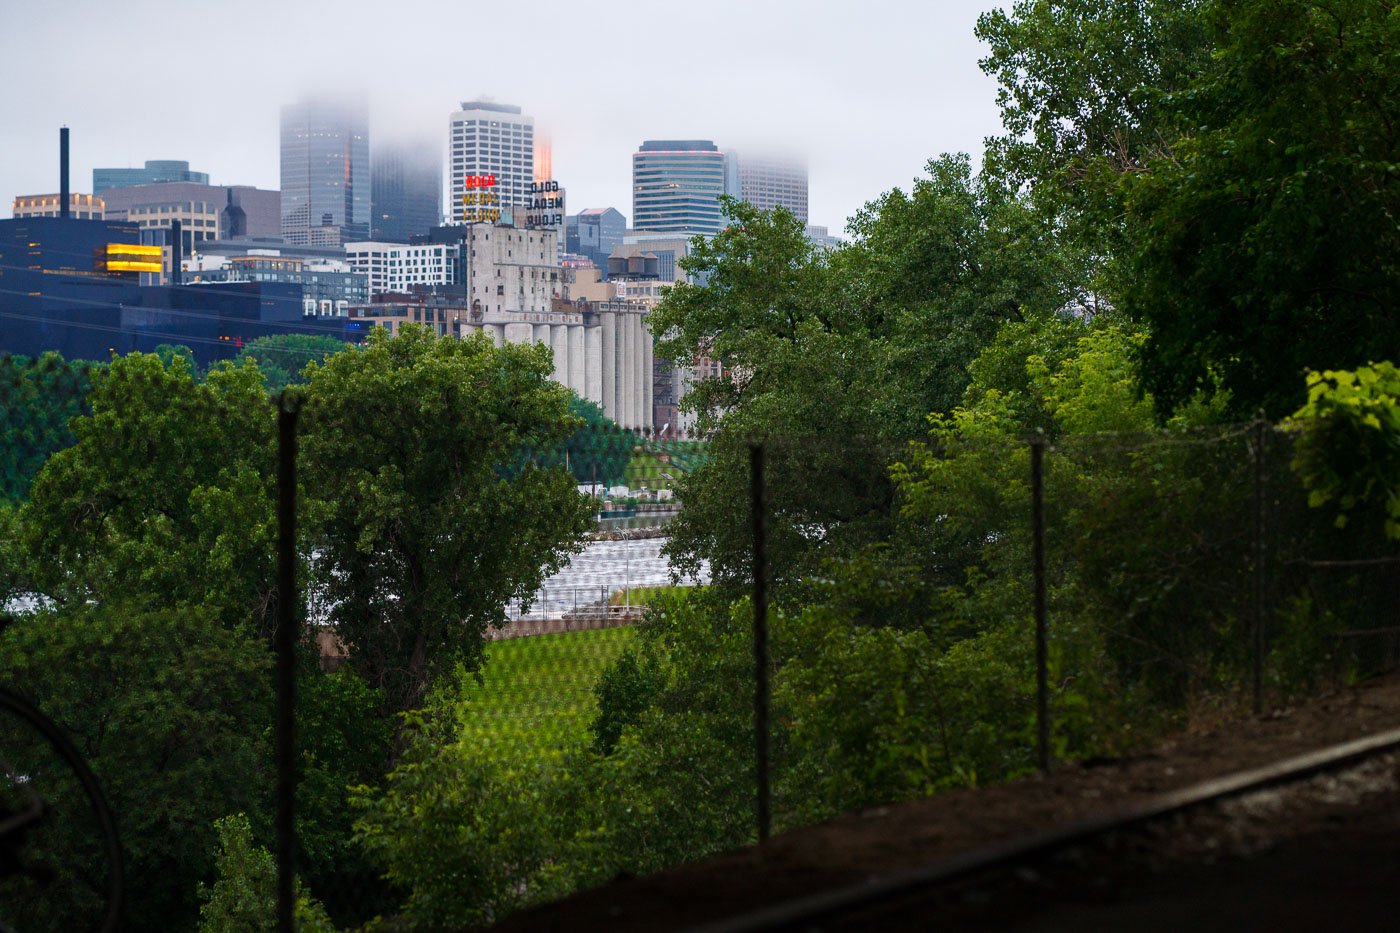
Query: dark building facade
{"x": 72, "y": 286}
{"x": 406, "y": 190}
{"x": 155, "y": 172}
{"x": 325, "y": 173}
{"x": 595, "y": 233}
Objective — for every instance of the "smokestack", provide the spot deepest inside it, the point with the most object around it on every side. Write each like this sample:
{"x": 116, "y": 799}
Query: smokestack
{"x": 176, "y": 258}
{"x": 63, "y": 172}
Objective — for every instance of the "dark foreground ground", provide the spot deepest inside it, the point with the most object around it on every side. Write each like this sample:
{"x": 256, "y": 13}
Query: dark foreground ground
{"x": 1320, "y": 856}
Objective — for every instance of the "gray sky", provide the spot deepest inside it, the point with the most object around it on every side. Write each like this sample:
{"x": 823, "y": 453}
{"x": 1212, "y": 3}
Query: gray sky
{"x": 866, "y": 91}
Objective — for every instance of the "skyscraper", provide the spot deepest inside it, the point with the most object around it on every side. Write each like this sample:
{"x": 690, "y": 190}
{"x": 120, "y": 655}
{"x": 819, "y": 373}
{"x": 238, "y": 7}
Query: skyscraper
{"x": 677, "y": 183}
{"x": 325, "y": 172}
{"x": 768, "y": 181}
{"x": 407, "y": 189}
{"x": 492, "y": 143}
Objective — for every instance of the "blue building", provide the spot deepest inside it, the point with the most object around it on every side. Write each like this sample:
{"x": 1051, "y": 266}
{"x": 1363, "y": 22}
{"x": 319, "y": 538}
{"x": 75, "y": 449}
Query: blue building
{"x": 677, "y": 184}
{"x": 595, "y": 233}
{"x": 73, "y": 286}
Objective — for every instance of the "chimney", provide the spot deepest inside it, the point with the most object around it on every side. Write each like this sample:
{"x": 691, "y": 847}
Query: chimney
{"x": 63, "y": 172}
{"x": 176, "y": 259}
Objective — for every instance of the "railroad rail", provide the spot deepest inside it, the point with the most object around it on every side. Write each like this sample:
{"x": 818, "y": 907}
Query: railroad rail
{"x": 808, "y": 912}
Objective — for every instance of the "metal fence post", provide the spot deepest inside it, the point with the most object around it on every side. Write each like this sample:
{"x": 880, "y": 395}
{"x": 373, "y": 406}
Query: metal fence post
{"x": 760, "y": 640}
{"x": 1042, "y": 652}
{"x": 1259, "y": 564}
{"x": 284, "y": 642}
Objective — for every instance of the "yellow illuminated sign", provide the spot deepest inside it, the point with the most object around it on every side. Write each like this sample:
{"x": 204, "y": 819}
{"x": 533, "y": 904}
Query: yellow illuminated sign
{"x": 121, "y": 265}
{"x": 133, "y": 249}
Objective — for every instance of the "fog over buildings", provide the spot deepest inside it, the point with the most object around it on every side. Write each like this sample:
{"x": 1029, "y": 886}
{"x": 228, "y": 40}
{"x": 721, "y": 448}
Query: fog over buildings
{"x": 864, "y": 95}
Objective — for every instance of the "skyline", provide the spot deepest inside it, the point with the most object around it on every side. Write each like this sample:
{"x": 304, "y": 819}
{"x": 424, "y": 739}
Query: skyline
{"x": 865, "y": 100}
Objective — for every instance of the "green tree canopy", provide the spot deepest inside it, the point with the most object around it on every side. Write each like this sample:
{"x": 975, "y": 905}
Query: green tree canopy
{"x": 170, "y": 708}
{"x": 423, "y": 530}
{"x": 165, "y": 498}
{"x": 38, "y": 397}
{"x": 283, "y": 357}
{"x": 1268, "y": 245}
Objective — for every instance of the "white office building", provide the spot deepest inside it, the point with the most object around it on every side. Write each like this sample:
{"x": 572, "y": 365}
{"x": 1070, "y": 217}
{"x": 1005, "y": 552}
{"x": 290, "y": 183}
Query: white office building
{"x": 489, "y": 141}
{"x": 394, "y": 268}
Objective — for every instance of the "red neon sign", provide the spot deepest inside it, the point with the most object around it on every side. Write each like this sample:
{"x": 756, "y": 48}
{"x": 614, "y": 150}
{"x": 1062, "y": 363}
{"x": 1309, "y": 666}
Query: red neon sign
{"x": 481, "y": 181}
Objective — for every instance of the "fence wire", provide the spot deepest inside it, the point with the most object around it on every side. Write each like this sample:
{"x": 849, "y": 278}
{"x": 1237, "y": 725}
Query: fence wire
{"x": 635, "y": 700}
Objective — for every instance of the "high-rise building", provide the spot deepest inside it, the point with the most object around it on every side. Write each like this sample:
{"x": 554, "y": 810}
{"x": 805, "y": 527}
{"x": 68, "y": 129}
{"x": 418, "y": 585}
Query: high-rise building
{"x": 406, "y": 189}
{"x": 677, "y": 183}
{"x": 157, "y": 171}
{"x": 595, "y": 232}
{"x": 490, "y": 142}
{"x": 768, "y": 181}
{"x": 325, "y": 172}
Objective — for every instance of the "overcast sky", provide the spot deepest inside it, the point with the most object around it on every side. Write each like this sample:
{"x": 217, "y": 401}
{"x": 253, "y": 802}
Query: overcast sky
{"x": 866, "y": 91}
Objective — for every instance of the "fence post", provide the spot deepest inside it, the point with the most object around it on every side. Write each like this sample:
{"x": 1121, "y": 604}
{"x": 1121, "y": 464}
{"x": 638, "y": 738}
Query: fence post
{"x": 285, "y": 644}
{"x": 760, "y": 640}
{"x": 1042, "y": 651}
{"x": 1259, "y": 564}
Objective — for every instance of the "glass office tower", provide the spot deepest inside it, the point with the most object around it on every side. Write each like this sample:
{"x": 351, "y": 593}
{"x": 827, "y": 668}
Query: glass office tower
{"x": 407, "y": 189}
{"x": 676, "y": 185}
{"x": 325, "y": 172}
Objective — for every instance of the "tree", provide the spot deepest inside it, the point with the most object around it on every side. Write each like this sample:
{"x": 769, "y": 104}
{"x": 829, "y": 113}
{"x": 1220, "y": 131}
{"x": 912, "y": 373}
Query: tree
{"x": 243, "y": 900}
{"x": 426, "y": 523}
{"x": 835, "y": 362}
{"x": 170, "y": 709}
{"x": 1085, "y": 97}
{"x": 1267, "y": 246}
{"x": 283, "y": 357}
{"x": 165, "y": 497}
{"x": 38, "y": 398}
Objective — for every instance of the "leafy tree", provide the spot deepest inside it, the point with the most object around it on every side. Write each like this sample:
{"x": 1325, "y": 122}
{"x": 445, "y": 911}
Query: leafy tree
{"x": 38, "y": 398}
{"x": 424, "y": 530}
{"x": 283, "y": 357}
{"x": 836, "y": 361}
{"x": 170, "y": 710}
{"x": 1085, "y": 98}
{"x": 165, "y": 498}
{"x": 1348, "y": 455}
{"x": 243, "y": 900}
{"x": 598, "y": 450}
{"x": 1267, "y": 246}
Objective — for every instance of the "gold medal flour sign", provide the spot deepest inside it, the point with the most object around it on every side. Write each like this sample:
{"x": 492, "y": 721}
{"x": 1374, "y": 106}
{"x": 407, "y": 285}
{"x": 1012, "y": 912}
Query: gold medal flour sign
{"x": 546, "y": 207}
{"x": 482, "y": 203}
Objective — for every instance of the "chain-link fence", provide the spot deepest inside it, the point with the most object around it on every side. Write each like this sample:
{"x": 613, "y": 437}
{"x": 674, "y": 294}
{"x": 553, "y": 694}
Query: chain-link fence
{"x": 341, "y": 665}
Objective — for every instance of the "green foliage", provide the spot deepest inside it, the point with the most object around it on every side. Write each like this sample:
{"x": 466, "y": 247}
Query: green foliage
{"x": 38, "y": 398}
{"x": 851, "y": 351}
{"x": 625, "y": 691}
{"x": 1267, "y": 246}
{"x": 165, "y": 498}
{"x": 170, "y": 709}
{"x": 243, "y": 899}
{"x": 407, "y": 448}
{"x": 1084, "y": 94}
{"x": 464, "y": 829}
{"x": 282, "y": 357}
{"x": 598, "y": 451}
{"x": 1349, "y": 452}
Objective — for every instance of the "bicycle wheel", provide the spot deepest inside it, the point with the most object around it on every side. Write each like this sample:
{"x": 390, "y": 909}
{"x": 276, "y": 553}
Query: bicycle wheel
{"x": 60, "y": 856}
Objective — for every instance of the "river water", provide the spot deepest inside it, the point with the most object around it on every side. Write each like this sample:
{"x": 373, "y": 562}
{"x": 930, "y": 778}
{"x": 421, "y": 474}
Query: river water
{"x": 600, "y": 570}
{"x": 589, "y": 579}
